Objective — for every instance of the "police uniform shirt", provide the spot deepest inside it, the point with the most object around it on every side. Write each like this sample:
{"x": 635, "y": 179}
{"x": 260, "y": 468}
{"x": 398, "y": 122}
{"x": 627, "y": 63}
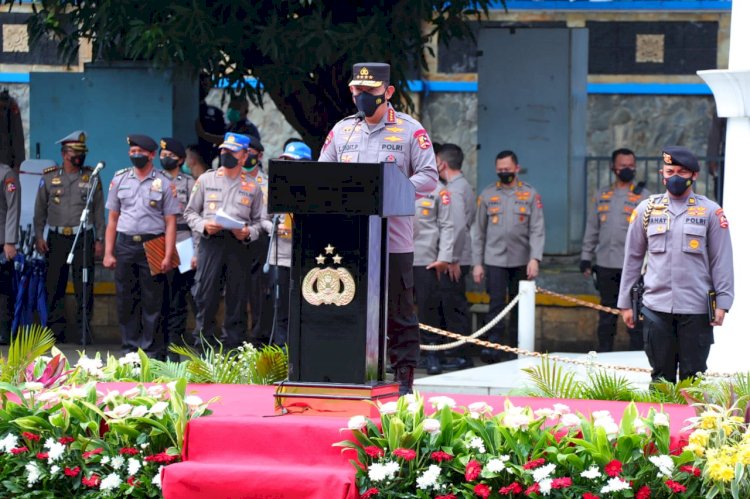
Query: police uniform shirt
{"x": 689, "y": 253}
{"x": 433, "y": 228}
{"x": 10, "y": 205}
{"x": 142, "y": 204}
{"x": 509, "y": 226}
{"x": 282, "y": 257}
{"x": 463, "y": 211}
{"x": 183, "y": 184}
{"x": 61, "y": 199}
{"x": 240, "y": 198}
{"x": 397, "y": 138}
{"x": 607, "y": 225}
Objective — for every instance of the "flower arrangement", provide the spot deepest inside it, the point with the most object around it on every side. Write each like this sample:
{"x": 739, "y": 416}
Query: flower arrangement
{"x": 469, "y": 452}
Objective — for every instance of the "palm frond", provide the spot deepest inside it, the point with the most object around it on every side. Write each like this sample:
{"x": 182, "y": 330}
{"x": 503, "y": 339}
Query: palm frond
{"x": 168, "y": 370}
{"x": 269, "y": 365}
{"x": 30, "y": 342}
{"x": 551, "y": 380}
{"x": 603, "y": 385}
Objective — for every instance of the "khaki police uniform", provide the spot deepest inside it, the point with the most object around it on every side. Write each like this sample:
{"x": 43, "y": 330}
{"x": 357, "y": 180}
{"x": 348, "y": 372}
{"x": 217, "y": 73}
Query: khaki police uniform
{"x": 689, "y": 254}
{"x": 401, "y": 139}
{"x": 10, "y": 216}
{"x": 604, "y": 238}
{"x": 509, "y": 233}
{"x": 221, "y": 254}
{"x": 142, "y": 206}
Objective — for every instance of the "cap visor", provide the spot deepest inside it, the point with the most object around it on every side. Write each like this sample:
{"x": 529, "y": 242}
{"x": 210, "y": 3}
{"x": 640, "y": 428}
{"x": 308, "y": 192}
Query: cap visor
{"x": 365, "y": 83}
{"x": 231, "y": 147}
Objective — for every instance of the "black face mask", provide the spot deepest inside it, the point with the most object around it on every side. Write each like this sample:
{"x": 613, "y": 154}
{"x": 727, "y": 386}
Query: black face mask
{"x": 626, "y": 174}
{"x": 677, "y": 185}
{"x": 139, "y": 160}
{"x": 228, "y": 161}
{"x": 369, "y": 103}
{"x": 251, "y": 162}
{"x": 169, "y": 163}
{"x": 78, "y": 160}
{"x": 506, "y": 177}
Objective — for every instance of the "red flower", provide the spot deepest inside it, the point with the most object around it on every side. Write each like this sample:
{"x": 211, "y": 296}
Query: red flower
{"x": 129, "y": 451}
{"x": 677, "y": 447}
{"x": 30, "y": 436}
{"x": 19, "y": 450}
{"x": 643, "y": 493}
{"x": 42, "y": 455}
{"x": 650, "y": 449}
{"x": 447, "y": 496}
{"x": 374, "y": 451}
{"x": 534, "y": 489}
{"x": 562, "y": 483}
{"x": 614, "y": 468}
{"x": 406, "y": 454}
{"x": 559, "y": 435}
{"x": 534, "y": 464}
{"x": 589, "y": 495}
{"x": 92, "y": 481}
{"x": 692, "y": 470}
{"x": 441, "y": 456}
{"x": 371, "y": 492}
{"x": 473, "y": 469}
{"x": 162, "y": 457}
{"x": 94, "y": 452}
{"x": 513, "y": 488}
{"x": 66, "y": 440}
{"x": 72, "y": 471}
{"x": 675, "y": 486}
{"x": 132, "y": 481}
{"x": 482, "y": 490}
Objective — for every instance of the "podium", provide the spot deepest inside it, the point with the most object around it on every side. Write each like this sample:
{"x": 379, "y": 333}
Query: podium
{"x": 338, "y": 301}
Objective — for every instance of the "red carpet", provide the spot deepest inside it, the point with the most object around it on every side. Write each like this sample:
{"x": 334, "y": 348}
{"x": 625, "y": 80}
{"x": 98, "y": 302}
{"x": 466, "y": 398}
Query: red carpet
{"x": 244, "y": 451}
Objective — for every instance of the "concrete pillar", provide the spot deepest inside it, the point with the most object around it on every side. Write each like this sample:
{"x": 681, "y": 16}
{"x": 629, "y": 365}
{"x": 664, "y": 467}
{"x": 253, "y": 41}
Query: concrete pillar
{"x": 526, "y": 315}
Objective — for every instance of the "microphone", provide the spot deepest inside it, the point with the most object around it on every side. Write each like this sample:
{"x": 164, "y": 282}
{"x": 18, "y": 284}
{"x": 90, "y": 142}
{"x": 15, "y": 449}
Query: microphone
{"x": 267, "y": 265}
{"x": 357, "y": 118}
{"x": 99, "y": 167}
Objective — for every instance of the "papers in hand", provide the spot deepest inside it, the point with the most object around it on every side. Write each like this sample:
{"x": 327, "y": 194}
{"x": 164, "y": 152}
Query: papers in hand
{"x": 226, "y": 221}
{"x": 185, "y": 252}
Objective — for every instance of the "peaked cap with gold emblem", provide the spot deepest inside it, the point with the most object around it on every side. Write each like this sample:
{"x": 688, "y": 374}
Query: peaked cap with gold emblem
{"x": 75, "y": 141}
{"x": 370, "y": 74}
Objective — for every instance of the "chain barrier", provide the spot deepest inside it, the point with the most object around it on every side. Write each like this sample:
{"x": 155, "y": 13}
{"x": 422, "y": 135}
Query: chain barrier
{"x": 580, "y": 302}
{"x": 474, "y": 340}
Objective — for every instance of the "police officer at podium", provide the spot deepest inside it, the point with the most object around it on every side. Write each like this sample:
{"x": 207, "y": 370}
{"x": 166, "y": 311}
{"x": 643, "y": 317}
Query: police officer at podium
{"x": 60, "y": 200}
{"x": 379, "y": 133}
{"x": 142, "y": 203}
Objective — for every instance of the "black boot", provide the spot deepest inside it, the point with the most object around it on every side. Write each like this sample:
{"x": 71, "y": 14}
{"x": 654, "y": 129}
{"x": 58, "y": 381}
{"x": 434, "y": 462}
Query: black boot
{"x": 433, "y": 364}
{"x": 458, "y": 363}
{"x": 405, "y": 379}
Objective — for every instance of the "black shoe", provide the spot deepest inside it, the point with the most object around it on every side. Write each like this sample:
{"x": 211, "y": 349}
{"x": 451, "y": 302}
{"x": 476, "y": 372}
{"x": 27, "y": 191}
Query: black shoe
{"x": 458, "y": 363}
{"x": 405, "y": 379}
{"x": 491, "y": 356}
{"x": 433, "y": 365}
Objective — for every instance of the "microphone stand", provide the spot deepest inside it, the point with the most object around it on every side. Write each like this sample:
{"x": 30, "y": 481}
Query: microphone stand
{"x": 266, "y": 266}
{"x": 86, "y": 335}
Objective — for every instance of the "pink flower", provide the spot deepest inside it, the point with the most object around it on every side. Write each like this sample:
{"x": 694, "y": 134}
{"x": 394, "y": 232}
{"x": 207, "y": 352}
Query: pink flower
{"x": 534, "y": 464}
{"x": 371, "y": 492}
{"x": 447, "y": 496}
{"x": 675, "y": 486}
{"x": 42, "y": 455}
{"x": 562, "y": 483}
{"x": 162, "y": 457}
{"x": 132, "y": 481}
{"x": 129, "y": 451}
{"x": 92, "y": 481}
{"x": 643, "y": 493}
{"x": 513, "y": 488}
{"x": 482, "y": 490}
{"x": 613, "y": 468}
{"x": 30, "y": 436}
{"x": 473, "y": 469}
{"x": 66, "y": 440}
{"x": 534, "y": 489}
{"x": 440, "y": 456}
{"x": 692, "y": 470}
{"x": 374, "y": 451}
{"x": 19, "y": 450}
{"x": 72, "y": 471}
{"x": 94, "y": 452}
{"x": 406, "y": 454}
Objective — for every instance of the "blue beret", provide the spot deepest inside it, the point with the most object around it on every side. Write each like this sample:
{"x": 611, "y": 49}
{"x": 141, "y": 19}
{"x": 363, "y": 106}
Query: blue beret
{"x": 680, "y": 156}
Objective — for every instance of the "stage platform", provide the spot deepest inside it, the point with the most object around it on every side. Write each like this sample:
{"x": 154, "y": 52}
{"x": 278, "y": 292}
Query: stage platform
{"x": 244, "y": 450}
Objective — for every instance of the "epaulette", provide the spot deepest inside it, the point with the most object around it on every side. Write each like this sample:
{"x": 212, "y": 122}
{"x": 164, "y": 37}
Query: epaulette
{"x": 120, "y": 172}
{"x": 49, "y": 170}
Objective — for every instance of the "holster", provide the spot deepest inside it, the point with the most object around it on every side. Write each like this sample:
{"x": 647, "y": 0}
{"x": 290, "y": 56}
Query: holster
{"x": 636, "y": 300}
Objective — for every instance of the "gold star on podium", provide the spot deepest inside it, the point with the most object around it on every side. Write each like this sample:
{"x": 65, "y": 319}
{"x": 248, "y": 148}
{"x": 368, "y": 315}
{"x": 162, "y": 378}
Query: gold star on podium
{"x": 337, "y": 259}
{"x": 320, "y": 259}
{"x": 329, "y": 249}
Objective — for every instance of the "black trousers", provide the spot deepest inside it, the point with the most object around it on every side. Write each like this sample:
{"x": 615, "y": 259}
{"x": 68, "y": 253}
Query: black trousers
{"x": 608, "y": 282}
{"x": 427, "y": 294}
{"x": 676, "y": 342}
{"x": 174, "y": 322}
{"x": 221, "y": 255}
{"x": 454, "y": 308}
{"x": 502, "y": 286}
{"x": 139, "y": 299}
{"x": 281, "y": 277}
{"x": 7, "y": 300}
{"x": 259, "y": 292}
{"x": 403, "y": 327}
{"x": 57, "y": 280}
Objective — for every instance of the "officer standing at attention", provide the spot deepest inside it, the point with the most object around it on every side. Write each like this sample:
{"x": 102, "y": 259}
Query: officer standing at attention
{"x": 142, "y": 205}
{"x": 10, "y": 216}
{"x": 177, "y": 284}
{"x": 375, "y": 134}
{"x": 606, "y": 228}
{"x": 224, "y": 253}
{"x": 508, "y": 242}
{"x": 60, "y": 201}
{"x": 688, "y": 285}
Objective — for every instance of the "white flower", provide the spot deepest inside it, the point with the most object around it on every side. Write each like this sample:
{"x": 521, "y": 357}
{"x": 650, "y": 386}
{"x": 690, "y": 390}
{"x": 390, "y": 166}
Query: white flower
{"x": 193, "y": 401}
{"x": 410, "y": 398}
{"x": 561, "y": 409}
{"x": 117, "y": 462}
{"x": 379, "y": 472}
{"x": 661, "y": 419}
{"x": 601, "y": 414}
{"x": 413, "y": 407}
{"x": 478, "y": 444}
{"x": 591, "y": 473}
{"x": 388, "y": 408}
{"x": 133, "y": 392}
{"x": 172, "y": 386}
{"x": 615, "y": 484}
{"x": 664, "y": 463}
{"x": 54, "y": 469}
{"x": 431, "y": 425}
{"x": 105, "y": 460}
{"x": 545, "y": 486}
{"x": 139, "y": 411}
{"x": 33, "y": 470}
{"x": 441, "y": 401}
{"x": 48, "y": 397}
{"x": 497, "y": 465}
{"x": 640, "y": 426}
{"x": 570, "y": 419}
{"x": 158, "y": 409}
{"x": 136, "y": 371}
{"x": 33, "y": 386}
{"x": 481, "y": 408}
{"x": 56, "y": 451}
{"x": 543, "y": 472}
{"x": 357, "y": 423}
{"x": 110, "y": 482}
{"x": 134, "y": 466}
{"x": 78, "y": 392}
{"x": 157, "y": 478}
{"x": 132, "y": 358}
{"x": 156, "y": 391}
{"x": 119, "y": 411}
{"x": 516, "y": 417}
{"x": 609, "y": 425}
{"x": 429, "y": 478}
{"x": 544, "y": 413}
{"x": 110, "y": 397}
{"x": 92, "y": 367}
{"x": 9, "y": 442}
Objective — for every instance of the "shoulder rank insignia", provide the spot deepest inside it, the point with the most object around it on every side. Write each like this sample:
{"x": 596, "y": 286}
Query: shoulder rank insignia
{"x": 120, "y": 172}
{"x": 50, "y": 169}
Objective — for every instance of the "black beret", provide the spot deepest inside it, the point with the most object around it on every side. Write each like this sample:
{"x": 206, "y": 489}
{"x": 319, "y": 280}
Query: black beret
{"x": 173, "y": 146}
{"x": 680, "y": 156}
{"x": 142, "y": 141}
{"x": 255, "y": 143}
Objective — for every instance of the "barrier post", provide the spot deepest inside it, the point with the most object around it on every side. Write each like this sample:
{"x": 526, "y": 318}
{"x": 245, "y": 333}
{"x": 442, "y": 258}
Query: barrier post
{"x": 526, "y": 315}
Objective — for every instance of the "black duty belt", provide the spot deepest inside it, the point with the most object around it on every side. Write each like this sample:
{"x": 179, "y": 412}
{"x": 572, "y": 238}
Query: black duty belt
{"x": 138, "y": 238}
{"x": 183, "y": 227}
